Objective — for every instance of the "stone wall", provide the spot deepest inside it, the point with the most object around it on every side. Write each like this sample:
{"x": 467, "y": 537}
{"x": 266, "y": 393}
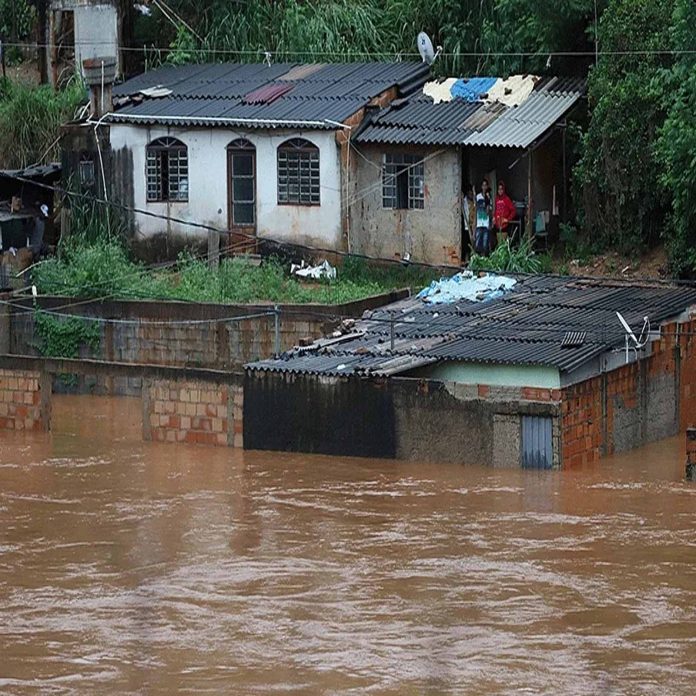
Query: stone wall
{"x": 634, "y": 404}
{"x": 25, "y": 400}
{"x": 193, "y": 411}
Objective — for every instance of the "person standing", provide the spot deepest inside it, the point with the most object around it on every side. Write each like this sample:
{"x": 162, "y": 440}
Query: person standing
{"x": 504, "y": 213}
{"x": 483, "y": 225}
{"x": 469, "y": 215}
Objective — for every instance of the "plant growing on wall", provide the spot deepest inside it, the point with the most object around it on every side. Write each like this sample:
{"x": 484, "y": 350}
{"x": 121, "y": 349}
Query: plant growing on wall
{"x": 62, "y": 337}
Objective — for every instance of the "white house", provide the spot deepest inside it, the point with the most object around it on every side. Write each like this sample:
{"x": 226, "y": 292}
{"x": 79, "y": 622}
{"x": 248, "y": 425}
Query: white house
{"x": 255, "y": 150}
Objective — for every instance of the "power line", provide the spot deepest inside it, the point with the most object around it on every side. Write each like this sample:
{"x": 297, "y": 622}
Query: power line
{"x": 366, "y": 54}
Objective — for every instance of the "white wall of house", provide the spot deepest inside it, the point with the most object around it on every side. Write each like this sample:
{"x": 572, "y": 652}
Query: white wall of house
{"x": 207, "y": 159}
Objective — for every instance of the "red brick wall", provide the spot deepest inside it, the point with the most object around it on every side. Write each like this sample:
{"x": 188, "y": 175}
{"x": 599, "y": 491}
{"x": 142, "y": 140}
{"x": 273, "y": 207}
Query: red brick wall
{"x": 24, "y": 400}
{"x": 581, "y": 423}
{"x": 193, "y": 412}
{"x": 586, "y": 435}
{"x": 687, "y": 346}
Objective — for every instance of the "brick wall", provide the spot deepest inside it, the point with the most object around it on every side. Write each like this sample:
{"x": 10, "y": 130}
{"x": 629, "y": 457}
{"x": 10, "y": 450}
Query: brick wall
{"x": 634, "y": 404}
{"x": 25, "y": 400}
{"x": 193, "y": 411}
{"x": 687, "y": 365}
{"x": 691, "y": 454}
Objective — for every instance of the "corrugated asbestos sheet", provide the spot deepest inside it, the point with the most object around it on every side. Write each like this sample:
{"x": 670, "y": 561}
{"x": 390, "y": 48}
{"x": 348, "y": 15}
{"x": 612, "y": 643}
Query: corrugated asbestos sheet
{"x": 255, "y": 94}
{"x": 528, "y": 326}
{"x": 421, "y": 122}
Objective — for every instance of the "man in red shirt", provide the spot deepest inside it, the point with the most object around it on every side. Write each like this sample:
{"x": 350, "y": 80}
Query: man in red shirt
{"x": 503, "y": 213}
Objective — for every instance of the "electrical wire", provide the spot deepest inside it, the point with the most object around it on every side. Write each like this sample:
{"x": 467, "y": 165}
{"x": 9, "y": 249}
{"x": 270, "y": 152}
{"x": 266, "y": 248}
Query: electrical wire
{"x": 368, "y": 54}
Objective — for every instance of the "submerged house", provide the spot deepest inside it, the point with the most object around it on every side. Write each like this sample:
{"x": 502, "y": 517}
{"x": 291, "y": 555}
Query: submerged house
{"x": 255, "y": 150}
{"x": 357, "y": 157}
{"x": 533, "y": 371}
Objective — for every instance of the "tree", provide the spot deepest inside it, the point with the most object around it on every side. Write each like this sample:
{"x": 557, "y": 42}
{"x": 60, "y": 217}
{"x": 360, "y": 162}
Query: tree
{"x": 677, "y": 143}
{"x": 618, "y": 177}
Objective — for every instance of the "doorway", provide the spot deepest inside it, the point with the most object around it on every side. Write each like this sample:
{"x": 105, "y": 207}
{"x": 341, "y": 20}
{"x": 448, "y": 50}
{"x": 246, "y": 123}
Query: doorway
{"x": 241, "y": 196}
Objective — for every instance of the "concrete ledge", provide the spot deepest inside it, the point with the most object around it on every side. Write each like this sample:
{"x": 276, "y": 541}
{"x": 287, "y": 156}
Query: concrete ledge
{"x": 116, "y": 369}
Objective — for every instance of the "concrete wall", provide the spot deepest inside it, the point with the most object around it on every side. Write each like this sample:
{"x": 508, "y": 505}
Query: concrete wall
{"x": 498, "y": 375}
{"x": 193, "y": 411}
{"x": 396, "y": 418}
{"x": 208, "y": 185}
{"x": 175, "y": 333}
{"x": 634, "y": 404}
{"x": 432, "y": 234}
{"x": 96, "y": 31}
{"x": 25, "y": 400}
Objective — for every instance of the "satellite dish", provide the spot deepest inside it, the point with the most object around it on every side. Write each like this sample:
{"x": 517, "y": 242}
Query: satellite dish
{"x": 425, "y": 48}
{"x": 627, "y": 328}
{"x": 639, "y": 342}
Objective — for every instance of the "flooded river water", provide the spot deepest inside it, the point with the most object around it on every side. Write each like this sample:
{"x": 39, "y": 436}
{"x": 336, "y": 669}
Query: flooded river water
{"x": 137, "y": 568}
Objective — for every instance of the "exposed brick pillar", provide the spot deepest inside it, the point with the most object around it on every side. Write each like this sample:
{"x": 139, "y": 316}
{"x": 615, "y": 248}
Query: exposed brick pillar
{"x": 691, "y": 454}
{"x": 25, "y": 400}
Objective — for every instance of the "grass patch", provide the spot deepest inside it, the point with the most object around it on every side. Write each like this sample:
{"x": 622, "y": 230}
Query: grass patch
{"x": 30, "y": 120}
{"x": 101, "y": 268}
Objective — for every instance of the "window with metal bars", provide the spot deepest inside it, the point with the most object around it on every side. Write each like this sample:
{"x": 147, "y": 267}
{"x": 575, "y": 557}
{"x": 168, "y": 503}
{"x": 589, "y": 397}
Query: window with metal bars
{"x": 167, "y": 170}
{"x": 298, "y": 173}
{"x": 403, "y": 181}
{"x": 86, "y": 170}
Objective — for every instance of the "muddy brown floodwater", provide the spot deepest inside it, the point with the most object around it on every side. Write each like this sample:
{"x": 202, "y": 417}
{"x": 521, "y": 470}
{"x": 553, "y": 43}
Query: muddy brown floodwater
{"x": 137, "y": 568}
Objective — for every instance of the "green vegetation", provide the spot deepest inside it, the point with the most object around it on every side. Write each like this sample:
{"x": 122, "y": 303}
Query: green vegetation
{"x": 90, "y": 266}
{"x": 348, "y": 29}
{"x": 30, "y": 119}
{"x": 508, "y": 258}
{"x": 635, "y": 179}
{"x": 62, "y": 337}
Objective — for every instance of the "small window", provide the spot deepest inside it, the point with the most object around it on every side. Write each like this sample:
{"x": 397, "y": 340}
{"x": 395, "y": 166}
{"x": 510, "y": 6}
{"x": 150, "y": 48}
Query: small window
{"x": 403, "y": 181}
{"x": 167, "y": 170}
{"x": 298, "y": 173}
{"x": 86, "y": 170}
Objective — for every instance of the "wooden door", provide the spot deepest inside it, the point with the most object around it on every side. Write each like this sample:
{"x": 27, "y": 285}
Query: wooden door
{"x": 241, "y": 205}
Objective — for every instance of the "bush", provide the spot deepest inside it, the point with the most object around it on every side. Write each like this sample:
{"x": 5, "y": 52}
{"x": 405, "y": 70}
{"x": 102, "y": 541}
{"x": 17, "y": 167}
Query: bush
{"x": 509, "y": 259}
{"x": 30, "y": 120}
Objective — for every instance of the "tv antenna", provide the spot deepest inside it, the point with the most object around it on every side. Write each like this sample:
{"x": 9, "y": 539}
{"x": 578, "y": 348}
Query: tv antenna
{"x": 426, "y": 50}
{"x": 638, "y": 341}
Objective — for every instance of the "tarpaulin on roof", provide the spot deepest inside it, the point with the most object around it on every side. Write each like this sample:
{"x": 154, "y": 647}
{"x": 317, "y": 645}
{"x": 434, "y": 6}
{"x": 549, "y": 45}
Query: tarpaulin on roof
{"x": 473, "y": 88}
{"x": 466, "y": 286}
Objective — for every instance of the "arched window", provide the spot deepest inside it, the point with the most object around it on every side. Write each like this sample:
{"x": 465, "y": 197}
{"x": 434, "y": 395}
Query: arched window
{"x": 298, "y": 173}
{"x": 167, "y": 170}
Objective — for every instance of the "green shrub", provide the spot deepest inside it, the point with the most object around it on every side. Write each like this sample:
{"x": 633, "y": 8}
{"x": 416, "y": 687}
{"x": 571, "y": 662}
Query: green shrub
{"x": 510, "y": 259}
{"x": 30, "y": 120}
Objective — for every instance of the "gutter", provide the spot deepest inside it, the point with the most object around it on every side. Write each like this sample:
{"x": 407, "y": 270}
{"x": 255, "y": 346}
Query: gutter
{"x": 227, "y": 121}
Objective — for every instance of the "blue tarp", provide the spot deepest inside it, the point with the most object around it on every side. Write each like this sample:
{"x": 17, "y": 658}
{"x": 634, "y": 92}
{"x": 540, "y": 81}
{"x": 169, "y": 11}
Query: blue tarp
{"x": 471, "y": 89}
{"x": 466, "y": 286}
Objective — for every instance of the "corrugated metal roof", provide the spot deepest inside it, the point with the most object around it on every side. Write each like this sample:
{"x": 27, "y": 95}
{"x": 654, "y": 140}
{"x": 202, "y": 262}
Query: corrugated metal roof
{"x": 421, "y": 122}
{"x": 258, "y": 95}
{"x": 527, "y": 326}
{"x": 520, "y": 126}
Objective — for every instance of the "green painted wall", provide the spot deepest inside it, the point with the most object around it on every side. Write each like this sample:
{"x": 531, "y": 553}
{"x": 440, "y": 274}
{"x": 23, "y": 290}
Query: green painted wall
{"x": 495, "y": 375}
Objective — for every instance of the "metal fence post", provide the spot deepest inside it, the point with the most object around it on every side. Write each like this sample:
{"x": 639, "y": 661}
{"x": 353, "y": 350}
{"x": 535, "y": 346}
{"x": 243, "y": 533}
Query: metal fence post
{"x": 276, "y": 337}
